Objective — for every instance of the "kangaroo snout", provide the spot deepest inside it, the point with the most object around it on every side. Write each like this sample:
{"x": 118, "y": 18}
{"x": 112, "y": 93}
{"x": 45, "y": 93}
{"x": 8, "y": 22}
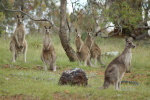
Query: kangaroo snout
{"x": 133, "y": 46}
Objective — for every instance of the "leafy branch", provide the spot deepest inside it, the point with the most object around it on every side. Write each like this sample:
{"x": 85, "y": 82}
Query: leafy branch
{"x": 26, "y": 14}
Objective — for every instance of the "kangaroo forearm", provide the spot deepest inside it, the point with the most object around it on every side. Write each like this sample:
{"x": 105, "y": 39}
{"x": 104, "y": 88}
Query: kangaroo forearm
{"x": 80, "y": 48}
{"x": 49, "y": 45}
{"x": 91, "y": 45}
{"x": 16, "y": 37}
{"x": 23, "y": 38}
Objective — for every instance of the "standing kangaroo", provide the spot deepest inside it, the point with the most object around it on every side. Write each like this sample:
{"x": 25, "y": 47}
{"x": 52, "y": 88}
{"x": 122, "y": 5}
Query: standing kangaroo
{"x": 18, "y": 43}
{"x": 93, "y": 47}
{"x": 116, "y": 69}
{"x": 83, "y": 51}
{"x": 48, "y": 52}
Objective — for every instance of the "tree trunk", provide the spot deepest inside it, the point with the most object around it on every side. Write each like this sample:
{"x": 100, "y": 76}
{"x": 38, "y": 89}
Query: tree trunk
{"x": 22, "y": 6}
{"x": 62, "y": 34}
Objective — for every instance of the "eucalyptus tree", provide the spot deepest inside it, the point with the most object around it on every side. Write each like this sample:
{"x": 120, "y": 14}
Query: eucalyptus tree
{"x": 127, "y": 15}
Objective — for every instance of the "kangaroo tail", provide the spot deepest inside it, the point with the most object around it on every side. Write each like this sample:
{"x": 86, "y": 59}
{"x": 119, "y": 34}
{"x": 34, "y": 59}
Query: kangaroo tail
{"x": 89, "y": 63}
{"x": 99, "y": 60}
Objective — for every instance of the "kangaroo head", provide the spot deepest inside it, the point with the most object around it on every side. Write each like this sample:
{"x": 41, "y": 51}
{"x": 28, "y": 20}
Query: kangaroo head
{"x": 47, "y": 29}
{"x": 89, "y": 32}
{"x": 77, "y": 34}
{"x": 129, "y": 42}
{"x": 19, "y": 19}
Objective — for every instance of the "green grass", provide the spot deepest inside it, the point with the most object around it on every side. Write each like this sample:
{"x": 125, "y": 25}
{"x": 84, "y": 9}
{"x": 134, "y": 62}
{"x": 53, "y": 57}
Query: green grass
{"x": 27, "y": 82}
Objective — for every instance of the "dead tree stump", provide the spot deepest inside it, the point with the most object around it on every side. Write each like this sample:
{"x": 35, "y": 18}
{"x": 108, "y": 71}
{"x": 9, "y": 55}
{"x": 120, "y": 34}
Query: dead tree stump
{"x": 74, "y": 77}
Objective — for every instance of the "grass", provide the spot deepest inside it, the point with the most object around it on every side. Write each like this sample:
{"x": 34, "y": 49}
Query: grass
{"x": 25, "y": 81}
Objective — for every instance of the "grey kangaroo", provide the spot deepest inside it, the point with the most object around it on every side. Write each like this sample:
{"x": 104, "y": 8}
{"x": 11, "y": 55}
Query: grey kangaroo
{"x": 48, "y": 52}
{"x": 83, "y": 51}
{"x": 116, "y": 69}
{"x": 93, "y": 47}
{"x": 18, "y": 43}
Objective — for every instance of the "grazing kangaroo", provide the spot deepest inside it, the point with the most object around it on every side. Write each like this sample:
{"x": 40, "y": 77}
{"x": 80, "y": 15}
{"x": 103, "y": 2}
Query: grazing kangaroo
{"x": 18, "y": 43}
{"x": 116, "y": 69}
{"x": 93, "y": 47}
{"x": 83, "y": 51}
{"x": 48, "y": 52}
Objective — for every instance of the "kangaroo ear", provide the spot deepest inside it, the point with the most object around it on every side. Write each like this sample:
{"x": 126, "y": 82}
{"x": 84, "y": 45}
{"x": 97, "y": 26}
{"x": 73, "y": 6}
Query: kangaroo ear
{"x": 131, "y": 38}
{"x": 77, "y": 34}
{"x": 45, "y": 27}
{"x": 126, "y": 38}
{"x": 76, "y": 30}
{"x": 87, "y": 30}
{"x": 91, "y": 30}
{"x": 17, "y": 16}
{"x": 50, "y": 27}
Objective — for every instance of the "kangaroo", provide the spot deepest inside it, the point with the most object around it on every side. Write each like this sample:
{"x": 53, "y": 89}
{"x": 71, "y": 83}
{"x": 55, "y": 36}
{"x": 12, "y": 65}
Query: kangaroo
{"x": 18, "y": 43}
{"x": 48, "y": 52}
{"x": 93, "y": 47}
{"x": 83, "y": 51}
{"x": 116, "y": 69}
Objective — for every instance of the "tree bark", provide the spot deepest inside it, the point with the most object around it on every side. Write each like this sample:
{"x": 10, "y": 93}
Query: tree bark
{"x": 22, "y": 6}
{"x": 62, "y": 34}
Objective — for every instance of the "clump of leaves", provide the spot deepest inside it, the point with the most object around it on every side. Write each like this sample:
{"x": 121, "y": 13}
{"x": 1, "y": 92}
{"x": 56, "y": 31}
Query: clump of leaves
{"x": 125, "y": 14}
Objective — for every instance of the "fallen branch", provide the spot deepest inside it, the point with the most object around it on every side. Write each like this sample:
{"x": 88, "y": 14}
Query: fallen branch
{"x": 111, "y": 34}
{"x": 100, "y": 31}
{"x": 144, "y": 27}
{"x": 130, "y": 82}
{"x": 140, "y": 37}
{"x": 96, "y": 33}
